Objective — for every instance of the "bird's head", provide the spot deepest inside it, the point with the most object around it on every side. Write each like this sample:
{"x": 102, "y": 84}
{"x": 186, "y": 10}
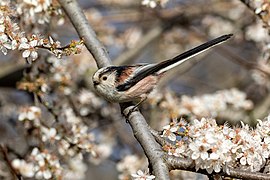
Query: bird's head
{"x": 104, "y": 78}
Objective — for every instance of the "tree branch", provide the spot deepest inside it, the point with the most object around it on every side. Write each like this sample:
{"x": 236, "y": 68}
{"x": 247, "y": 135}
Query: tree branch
{"x": 86, "y": 32}
{"x": 151, "y": 148}
{"x": 139, "y": 126}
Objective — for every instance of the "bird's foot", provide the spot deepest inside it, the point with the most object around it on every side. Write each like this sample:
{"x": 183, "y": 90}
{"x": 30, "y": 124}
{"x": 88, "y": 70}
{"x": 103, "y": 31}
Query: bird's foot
{"x": 127, "y": 112}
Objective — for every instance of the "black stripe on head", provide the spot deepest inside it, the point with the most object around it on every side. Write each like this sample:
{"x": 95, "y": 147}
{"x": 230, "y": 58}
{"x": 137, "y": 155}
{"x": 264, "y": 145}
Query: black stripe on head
{"x": 106, "y": 70}
{"x": 118, "y": 69}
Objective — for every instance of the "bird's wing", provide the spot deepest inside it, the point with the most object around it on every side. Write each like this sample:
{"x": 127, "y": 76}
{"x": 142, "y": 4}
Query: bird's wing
{"x": 127, "y": 72}
{"x": 134, "y": 77}
{"x": 164, "y": 66}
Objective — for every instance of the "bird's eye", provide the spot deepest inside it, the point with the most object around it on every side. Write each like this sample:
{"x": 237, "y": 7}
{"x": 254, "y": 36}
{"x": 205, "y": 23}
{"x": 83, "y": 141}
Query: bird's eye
{"x": 104, "y": 78}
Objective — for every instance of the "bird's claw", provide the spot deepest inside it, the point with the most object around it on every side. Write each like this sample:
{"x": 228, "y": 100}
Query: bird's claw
{"x": 127, "y": 112}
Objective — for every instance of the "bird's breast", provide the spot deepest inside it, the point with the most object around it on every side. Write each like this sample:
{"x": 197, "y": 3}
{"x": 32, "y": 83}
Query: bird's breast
{"x": 144, "y": 86}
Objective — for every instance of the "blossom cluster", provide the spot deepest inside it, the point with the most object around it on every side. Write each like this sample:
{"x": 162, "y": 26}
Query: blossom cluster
{"x": 12, "y": 37}
{"x": 261, "y": 79}
{"x": 60, "y": 77}
{"x": 127, "y": 171}
{"x": 215, "y": 103}
{"x": 89, "y": 102}
{"x": 57, "y": 78}
{"x": 40, "y": 12}
{"x": 76, "y": 117}
{"x": 71, "y": 138}
{"x": 41, "y": 165}
{"x": 68, "y": 131}
{"x": 77, "y": 136}
{"x": 214, "y": 147}
{"x": 207, "y": 105}
{"x": 140, "y": 175}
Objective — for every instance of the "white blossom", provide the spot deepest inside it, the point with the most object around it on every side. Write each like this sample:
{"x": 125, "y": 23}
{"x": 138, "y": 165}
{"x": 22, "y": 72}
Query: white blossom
{"x": 29, "y": 48}
{"x": 26, "y": 169}
{"x": 213, "y": 147}
{"x": 49, "y": 134}
{"x": 140, "y": 175}
{"x": 31, "y": 113}
{"x": 149, "y": 3}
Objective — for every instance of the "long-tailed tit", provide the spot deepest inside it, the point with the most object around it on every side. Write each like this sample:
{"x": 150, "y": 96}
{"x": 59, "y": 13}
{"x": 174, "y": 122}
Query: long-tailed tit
{"x": 135, "y": 82}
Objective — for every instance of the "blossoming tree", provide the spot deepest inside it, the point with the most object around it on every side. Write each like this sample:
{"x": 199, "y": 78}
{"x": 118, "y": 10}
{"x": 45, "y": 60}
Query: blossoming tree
{"x": 54, "y": 126}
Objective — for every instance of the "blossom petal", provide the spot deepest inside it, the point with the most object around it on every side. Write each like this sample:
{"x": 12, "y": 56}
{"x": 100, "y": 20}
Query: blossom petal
{"x": 34, "y": 55}
{"x": 33, "y": 43}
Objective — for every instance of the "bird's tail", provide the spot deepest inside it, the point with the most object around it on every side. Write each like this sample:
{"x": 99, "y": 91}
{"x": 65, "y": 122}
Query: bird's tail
{"x": 171, "y": 63}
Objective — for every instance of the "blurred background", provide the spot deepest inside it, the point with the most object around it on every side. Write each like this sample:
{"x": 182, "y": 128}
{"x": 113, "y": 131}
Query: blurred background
{"x": 229, "y": 82}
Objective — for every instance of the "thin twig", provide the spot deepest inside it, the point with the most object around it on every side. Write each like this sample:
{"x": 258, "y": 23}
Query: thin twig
{"x": 158, "y": 138}
{"x": 262, "y": 109}
{"x": 249, "y": 5}
{"x": 15, "y": 174}
{"x": 239, "y": 60}
{"x": 234, "y": 57}
{"x": 49, "y": 107}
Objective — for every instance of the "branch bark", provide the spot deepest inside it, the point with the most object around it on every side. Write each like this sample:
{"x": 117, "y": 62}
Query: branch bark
{"x": 151, "y": 148}
{"x": 86, "y": 32}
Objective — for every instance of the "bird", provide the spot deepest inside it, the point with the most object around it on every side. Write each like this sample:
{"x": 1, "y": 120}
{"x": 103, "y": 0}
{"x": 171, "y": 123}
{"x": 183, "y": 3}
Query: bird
{"x": 133, "y": 83}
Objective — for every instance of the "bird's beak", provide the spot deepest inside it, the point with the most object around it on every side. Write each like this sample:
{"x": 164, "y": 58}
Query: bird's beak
{"x": 95, "y": 83}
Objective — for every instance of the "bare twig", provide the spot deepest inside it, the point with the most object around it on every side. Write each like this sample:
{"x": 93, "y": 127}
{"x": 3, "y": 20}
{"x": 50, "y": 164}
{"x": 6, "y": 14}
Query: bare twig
{"x": 166, "y": 22}
{"x": 247, "y": 175}
{"x": 10, "y": 68}
{"x": 234, "y": 57}
{"x": 248, "y": 3}
{"x": 262, "y": 109}
{"x": 48, "y": 106}
{"x": 157, "y": 136}
{"x": 239, "y": 60}
{"x": 4, "y": 152}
